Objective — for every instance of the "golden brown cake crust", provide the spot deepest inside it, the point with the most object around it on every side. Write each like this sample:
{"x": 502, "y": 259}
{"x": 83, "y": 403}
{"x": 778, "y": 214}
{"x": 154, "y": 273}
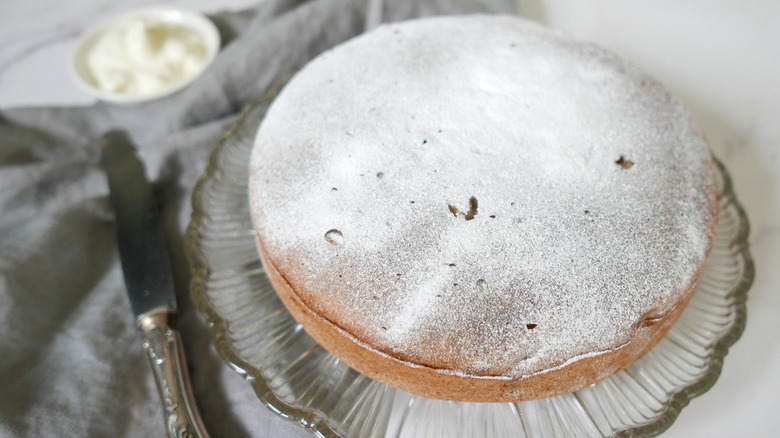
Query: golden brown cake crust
{"x": 429, "y": 382}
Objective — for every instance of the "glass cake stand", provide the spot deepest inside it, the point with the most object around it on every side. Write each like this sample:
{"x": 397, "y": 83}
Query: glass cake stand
{"x": 301, "y": 381}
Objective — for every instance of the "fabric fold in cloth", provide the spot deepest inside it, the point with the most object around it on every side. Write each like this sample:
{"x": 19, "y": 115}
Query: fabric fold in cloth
{"x": 71, "y": 362}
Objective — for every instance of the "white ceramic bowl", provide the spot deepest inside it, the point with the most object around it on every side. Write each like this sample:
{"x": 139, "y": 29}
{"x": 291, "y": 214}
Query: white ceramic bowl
{"x": 80, "y": 72}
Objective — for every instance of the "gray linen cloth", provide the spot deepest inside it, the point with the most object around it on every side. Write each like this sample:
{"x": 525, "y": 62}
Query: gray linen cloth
{"x": 71, "y": 362}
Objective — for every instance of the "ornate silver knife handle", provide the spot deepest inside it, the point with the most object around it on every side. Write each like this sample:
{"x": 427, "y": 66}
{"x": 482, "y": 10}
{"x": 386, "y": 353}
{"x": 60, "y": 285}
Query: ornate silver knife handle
{"x": 166, "y": 356}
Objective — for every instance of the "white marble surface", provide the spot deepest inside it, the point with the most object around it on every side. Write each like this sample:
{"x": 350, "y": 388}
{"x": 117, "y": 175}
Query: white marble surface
{"x": 720, "y": 57}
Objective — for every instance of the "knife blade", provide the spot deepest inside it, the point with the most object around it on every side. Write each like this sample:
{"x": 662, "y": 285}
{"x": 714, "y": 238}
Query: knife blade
{"x": 149, "y": 281}
{"x": 140, "y": 238}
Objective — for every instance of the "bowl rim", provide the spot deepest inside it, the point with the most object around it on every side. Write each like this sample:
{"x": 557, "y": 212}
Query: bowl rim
{"x": 194, "y": 20}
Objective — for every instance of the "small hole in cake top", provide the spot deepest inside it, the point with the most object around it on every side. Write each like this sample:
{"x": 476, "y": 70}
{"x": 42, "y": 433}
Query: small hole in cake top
{"x": 481, "y": 283}
{"x": 587, "y": 211}
{"x": 472, "y": 209}
{"x": 468, "y": 215}
{"x": 624, "y": 163}
{"x": 380, "y": 174}
{"x": 530, "y": 326}
{"x": 334, "y": 237}
{"x": 397, "y": 275}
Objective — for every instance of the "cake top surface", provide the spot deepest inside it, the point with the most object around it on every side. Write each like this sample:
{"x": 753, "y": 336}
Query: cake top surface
{"x": 481, "y": 195}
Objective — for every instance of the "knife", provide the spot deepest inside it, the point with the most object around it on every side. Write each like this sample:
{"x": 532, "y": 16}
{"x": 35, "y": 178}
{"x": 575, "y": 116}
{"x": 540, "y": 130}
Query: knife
{"x": 149, "y": 281}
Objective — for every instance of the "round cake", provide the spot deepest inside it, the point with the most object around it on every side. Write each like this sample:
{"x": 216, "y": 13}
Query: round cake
{"x": 478, "y": 208}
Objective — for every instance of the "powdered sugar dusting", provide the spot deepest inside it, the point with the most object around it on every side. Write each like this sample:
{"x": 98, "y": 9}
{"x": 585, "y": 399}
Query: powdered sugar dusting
{"x": 387, "y": 138}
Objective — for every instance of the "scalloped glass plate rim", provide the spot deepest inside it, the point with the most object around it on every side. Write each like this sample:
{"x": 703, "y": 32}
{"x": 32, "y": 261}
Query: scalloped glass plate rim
{"x": 308, "y": 418}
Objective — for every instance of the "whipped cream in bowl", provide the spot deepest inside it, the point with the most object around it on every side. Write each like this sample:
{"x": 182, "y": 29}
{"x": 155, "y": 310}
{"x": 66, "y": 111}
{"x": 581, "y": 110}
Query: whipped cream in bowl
{"x": 144, "y": 54}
